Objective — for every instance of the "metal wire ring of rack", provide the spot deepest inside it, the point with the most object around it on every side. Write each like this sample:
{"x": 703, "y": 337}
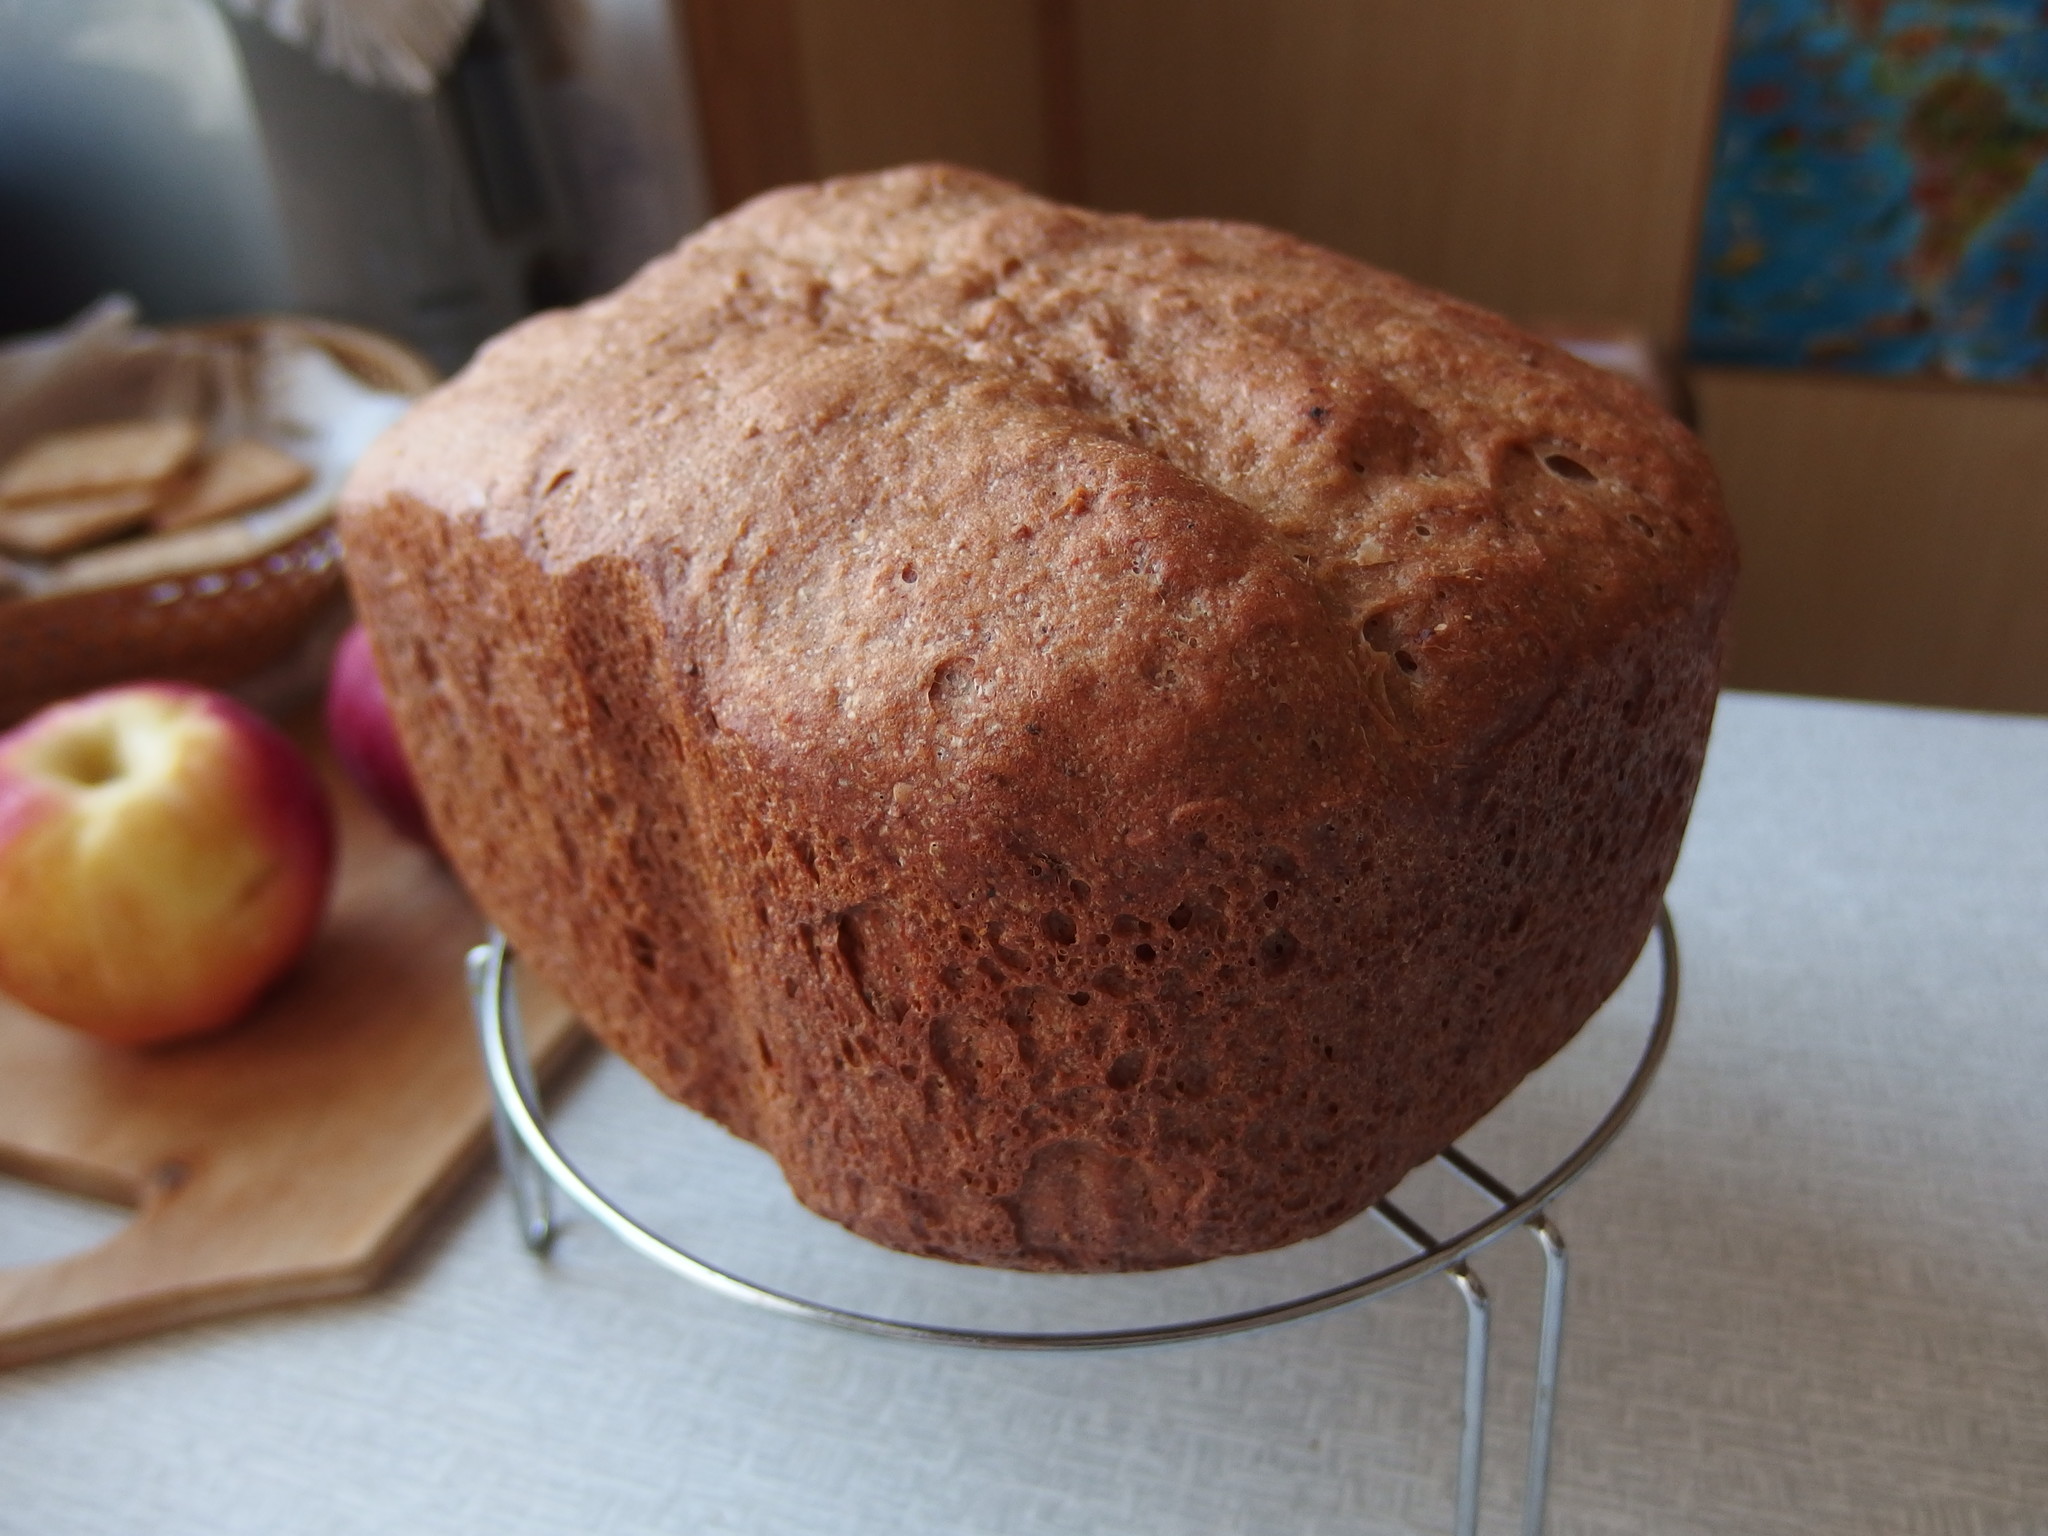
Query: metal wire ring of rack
{"x": 532, "y": 1162}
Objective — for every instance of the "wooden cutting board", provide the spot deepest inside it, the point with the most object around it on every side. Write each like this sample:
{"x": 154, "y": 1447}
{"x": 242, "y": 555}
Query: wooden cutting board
{"x": 291, "y": 1157}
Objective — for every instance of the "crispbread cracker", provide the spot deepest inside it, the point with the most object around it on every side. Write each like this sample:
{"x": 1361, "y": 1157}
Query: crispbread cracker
{"x": 244, "y": 474}
{"x": 58, "y": 527}
{"x": 87, "y": 461}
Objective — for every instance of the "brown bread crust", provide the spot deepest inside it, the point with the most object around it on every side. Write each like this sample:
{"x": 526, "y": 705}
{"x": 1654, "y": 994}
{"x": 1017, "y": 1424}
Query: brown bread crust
{"x": 1100, "y": 744}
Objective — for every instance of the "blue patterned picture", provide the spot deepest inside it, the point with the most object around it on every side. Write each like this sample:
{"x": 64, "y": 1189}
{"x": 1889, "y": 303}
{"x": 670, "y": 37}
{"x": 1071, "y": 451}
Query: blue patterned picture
{"x": 1879, "y": 198}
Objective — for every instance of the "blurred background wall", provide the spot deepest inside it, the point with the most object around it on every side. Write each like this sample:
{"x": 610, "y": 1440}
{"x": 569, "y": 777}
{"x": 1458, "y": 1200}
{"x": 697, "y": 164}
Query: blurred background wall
{"x": 128, "y": 159}
{"x": 1543, "y": 157}
{"x": 208, "y": 163}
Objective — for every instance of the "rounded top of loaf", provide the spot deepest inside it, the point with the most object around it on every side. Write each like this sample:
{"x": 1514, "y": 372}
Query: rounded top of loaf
{"x": 954, "y": 499}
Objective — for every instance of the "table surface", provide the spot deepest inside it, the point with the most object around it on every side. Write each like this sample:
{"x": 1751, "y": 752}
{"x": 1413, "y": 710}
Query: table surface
{"x": 1810, "y": 1286}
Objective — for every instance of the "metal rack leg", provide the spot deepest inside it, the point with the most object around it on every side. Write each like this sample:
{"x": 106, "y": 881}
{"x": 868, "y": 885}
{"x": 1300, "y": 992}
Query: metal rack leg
{"x": 1536, "y": 1492}
{"x": 1472, "y": 1444}
{"x": 532, "y": 1206}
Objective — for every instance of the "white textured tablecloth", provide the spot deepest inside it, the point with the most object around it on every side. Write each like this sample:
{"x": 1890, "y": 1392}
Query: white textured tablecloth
{"x": 1810, "y": 1289}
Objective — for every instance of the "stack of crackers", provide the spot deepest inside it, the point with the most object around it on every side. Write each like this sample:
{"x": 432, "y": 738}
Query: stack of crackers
{"x": 67, "y": 491}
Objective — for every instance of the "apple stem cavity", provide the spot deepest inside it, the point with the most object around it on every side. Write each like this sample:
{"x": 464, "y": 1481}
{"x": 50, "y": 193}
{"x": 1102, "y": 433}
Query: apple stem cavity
{"x": 89, "y": 757}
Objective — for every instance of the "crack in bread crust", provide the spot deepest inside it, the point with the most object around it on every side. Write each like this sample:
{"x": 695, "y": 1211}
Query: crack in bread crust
{"x": 1100, "y": 744}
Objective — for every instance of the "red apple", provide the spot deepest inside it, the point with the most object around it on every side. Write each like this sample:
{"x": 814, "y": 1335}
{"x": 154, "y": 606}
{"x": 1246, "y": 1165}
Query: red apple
{"x": 365, "y": 742}
{"x": 165, "y": 855}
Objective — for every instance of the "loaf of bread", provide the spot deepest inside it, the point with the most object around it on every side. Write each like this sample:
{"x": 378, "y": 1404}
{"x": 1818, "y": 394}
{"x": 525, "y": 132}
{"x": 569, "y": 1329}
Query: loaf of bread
{"x": 1099, "y": 743}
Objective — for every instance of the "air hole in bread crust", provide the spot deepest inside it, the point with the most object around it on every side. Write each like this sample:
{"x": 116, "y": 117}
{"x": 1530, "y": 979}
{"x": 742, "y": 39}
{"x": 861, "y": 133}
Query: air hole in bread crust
{"x": 1378, "y": 631}
{"x": 1277, "y": 951}
{"x": 951, "y": 682}
{"x": 642, "y": 948}
{"x": 1565, "y": 467}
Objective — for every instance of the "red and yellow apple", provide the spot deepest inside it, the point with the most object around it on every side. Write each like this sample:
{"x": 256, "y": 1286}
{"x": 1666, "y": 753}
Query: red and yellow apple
{"x": 165, "y": 855}
{"x": 365, "y": 741}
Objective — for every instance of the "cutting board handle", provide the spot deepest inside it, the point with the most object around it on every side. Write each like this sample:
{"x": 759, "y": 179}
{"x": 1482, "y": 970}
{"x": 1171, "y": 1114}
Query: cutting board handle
{"x": 177, "y": 1261}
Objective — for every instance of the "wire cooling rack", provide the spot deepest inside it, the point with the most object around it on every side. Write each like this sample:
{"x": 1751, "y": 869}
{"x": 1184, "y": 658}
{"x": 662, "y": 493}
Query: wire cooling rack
{"x": 534, "y": 1165}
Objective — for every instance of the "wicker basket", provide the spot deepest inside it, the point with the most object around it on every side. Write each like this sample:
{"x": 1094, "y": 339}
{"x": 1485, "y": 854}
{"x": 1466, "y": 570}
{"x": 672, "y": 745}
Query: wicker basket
{"x": 213, "y": 622}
